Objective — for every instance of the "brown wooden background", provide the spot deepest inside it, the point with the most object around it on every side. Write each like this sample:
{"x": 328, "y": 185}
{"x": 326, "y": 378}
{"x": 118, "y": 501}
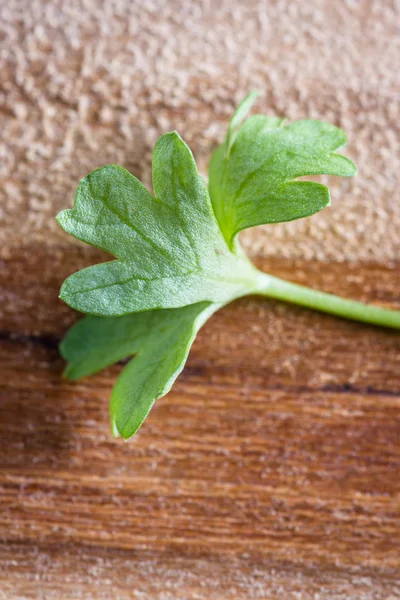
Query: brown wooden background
{"x": 271, "y": 470}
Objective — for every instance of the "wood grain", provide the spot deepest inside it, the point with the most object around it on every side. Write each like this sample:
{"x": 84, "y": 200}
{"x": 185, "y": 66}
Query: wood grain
{"x": 270, "y": 471}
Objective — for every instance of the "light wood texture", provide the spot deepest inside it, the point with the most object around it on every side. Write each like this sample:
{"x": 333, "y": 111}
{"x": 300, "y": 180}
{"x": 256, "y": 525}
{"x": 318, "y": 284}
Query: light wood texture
{"x": 270, "y": 471}
{"x": 86, "y": 83}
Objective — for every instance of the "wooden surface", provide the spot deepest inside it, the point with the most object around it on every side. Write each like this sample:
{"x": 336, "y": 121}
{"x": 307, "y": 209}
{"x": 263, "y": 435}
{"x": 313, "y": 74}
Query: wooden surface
{"x": 270, "y": 471}
{"x": 272, "y": 468}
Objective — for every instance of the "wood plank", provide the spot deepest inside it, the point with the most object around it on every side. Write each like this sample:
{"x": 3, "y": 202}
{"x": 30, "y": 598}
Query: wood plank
{"x": 271, "y": 466}
{"x": 79, "y": 572}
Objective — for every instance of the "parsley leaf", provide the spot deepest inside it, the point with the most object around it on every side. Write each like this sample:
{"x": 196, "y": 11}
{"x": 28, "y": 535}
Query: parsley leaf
{"x": 237, "y": 119}
{"x": 251, "y": 173}
{"x": 178, "y": 260}
{"x": 160, "y": 341}
{"x": 170, "y": 249}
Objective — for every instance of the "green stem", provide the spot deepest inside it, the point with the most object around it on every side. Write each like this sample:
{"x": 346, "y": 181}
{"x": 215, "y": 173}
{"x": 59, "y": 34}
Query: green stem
{"x": 275, "y": 287}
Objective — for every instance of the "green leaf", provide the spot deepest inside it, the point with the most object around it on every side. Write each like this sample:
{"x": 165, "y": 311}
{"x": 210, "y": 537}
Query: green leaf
{"x": 176, "y": 257}
{"x": 251, "y": 180}
{"x": 170, "y": 249}
{"x": 160, "y": 341}
{"x": 239, "y": 116}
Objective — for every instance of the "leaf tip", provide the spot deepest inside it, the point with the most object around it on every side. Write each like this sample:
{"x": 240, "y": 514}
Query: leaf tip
{"x": 352, "y": 168}
{"x": 238, "y": 117}
{"x": 253, "y": 94}
{"x": 63, "y": 293}
{"x": 114, "y": 427}
{"x": 60, "y": 217}
{"x": 68, "y": 373}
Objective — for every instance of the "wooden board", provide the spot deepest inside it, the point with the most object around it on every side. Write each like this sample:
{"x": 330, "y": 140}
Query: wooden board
{"x": 270, "y": 471}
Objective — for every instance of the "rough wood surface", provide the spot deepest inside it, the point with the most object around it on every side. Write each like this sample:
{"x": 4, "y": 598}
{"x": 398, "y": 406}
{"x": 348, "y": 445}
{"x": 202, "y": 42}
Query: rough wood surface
{"x": 84, "y": 83}
{"x": 272, "y": 468}
{"x": 270, "y": 471}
